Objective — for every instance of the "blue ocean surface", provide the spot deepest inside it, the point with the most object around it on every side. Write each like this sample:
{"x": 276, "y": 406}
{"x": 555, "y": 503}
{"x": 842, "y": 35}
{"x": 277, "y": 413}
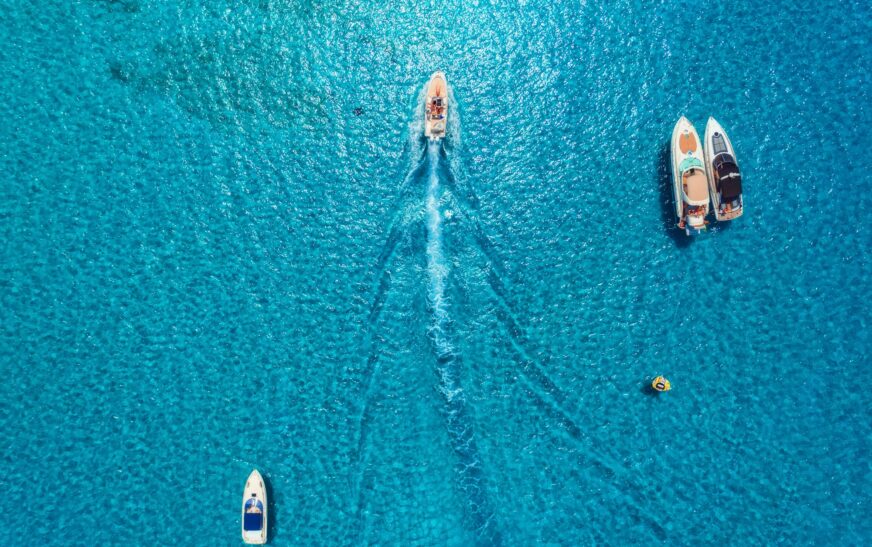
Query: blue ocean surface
{"x": 226, "y": 245}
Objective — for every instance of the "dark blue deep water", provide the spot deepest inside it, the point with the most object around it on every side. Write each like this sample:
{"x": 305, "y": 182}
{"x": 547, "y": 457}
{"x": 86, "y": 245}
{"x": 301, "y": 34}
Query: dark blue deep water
{"x": 225, "y": 245}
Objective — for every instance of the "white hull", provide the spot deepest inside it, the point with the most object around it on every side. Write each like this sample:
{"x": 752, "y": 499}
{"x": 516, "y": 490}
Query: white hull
{"x": 713, "y": 128}
{"x": 436, "y": 107}
{"x": 254, "y": 490}
{"x": 691, "y": 207}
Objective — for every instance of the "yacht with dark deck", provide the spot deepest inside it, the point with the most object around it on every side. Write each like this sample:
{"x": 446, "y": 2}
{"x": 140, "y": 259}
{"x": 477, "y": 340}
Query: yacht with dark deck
{"x": 722, "y": 169}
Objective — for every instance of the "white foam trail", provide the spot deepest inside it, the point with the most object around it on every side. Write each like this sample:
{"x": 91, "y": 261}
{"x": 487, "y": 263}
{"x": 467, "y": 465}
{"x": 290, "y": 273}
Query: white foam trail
{"x": 438, "y": 270}
{"x": 448, "y": 361}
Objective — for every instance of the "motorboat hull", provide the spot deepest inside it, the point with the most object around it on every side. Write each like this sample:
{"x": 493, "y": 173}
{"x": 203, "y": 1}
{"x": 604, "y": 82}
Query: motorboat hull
{"x": 436, "y": 107}
{"x": 716, "y": 143}
{"x": 686, "y": 150}
{"x": 254, "y": 490}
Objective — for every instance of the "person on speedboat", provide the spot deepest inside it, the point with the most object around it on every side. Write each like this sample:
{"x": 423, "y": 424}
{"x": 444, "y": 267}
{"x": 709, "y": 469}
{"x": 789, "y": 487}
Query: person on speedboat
{"x": 436, "y": 108}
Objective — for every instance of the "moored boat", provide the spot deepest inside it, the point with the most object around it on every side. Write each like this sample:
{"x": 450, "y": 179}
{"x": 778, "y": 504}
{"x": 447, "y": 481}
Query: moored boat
{"x": 689, "y": 178}
{"x": 436, "y": 106}
{"x": 724, "y": 177}
{"x": 254, "y": 510}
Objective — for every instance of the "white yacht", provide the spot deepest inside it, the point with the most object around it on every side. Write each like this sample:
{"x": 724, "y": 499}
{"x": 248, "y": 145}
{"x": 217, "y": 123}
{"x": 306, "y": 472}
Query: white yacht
{"x": 724, "y": 177}
{"x": 689, "y": 178}
{"x": 254, "y": 510}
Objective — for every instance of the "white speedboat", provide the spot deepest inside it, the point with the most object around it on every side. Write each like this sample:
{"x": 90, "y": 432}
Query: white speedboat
{"x": 436, "y": 106}
{"x": 254, "y": 508}
{"x": 724, "y": 177}
{"x": 689, "y": 178}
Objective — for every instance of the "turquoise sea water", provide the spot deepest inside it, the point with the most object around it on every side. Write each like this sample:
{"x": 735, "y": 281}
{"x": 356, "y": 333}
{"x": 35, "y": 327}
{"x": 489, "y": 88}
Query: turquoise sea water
{"x": 226, "y": 246}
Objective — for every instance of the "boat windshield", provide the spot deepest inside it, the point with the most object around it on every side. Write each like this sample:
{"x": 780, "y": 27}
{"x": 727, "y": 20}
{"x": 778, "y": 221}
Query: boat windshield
{"x": 253, "y": 505}
{"x": 689, "y": 163}
{"x": 719, "y": 144}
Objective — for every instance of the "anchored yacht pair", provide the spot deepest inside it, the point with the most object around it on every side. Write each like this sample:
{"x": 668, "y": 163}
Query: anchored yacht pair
{"x": 699, "y": 175}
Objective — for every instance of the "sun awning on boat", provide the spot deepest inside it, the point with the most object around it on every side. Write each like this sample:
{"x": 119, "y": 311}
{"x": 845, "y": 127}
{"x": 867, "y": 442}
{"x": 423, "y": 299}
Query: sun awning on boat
{"x": 730, "y": 186}
{"x": 729, "y": 181}
{"x": 252, "y": 522}
{"x": 696, "y": 188}
{"x": 724, "y": 160}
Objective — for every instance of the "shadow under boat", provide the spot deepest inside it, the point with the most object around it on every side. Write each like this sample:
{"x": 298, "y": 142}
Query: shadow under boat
{"x": 272, "y": 523}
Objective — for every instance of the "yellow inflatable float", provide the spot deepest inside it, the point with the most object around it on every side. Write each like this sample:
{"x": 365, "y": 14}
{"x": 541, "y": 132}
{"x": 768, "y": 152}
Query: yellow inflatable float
{"x": 661, "y": 384}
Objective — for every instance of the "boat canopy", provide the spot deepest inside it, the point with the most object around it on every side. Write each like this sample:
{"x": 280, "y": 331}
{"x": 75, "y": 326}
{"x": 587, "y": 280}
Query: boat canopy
{"x": 724, "y": 159}
{"x": 252, "y": 522}
{"x": 694, "y": 187}
{"x": 729, "y": 181}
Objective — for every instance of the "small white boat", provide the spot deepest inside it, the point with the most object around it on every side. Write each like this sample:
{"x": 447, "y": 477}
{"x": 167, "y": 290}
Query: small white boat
{"x": 689, "y": 178}
{"x": 724, "y": 177}
{"x": 254, "y": 507}
{"x": 436, "y": 106}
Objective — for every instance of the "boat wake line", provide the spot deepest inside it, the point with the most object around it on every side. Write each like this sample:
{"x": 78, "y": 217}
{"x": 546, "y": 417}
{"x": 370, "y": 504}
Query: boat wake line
{"x": 448, "y": 363}
{"x": 398, "y": 226}
{"x": 433, "y": 168}
{"x": 552, "y": 399}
